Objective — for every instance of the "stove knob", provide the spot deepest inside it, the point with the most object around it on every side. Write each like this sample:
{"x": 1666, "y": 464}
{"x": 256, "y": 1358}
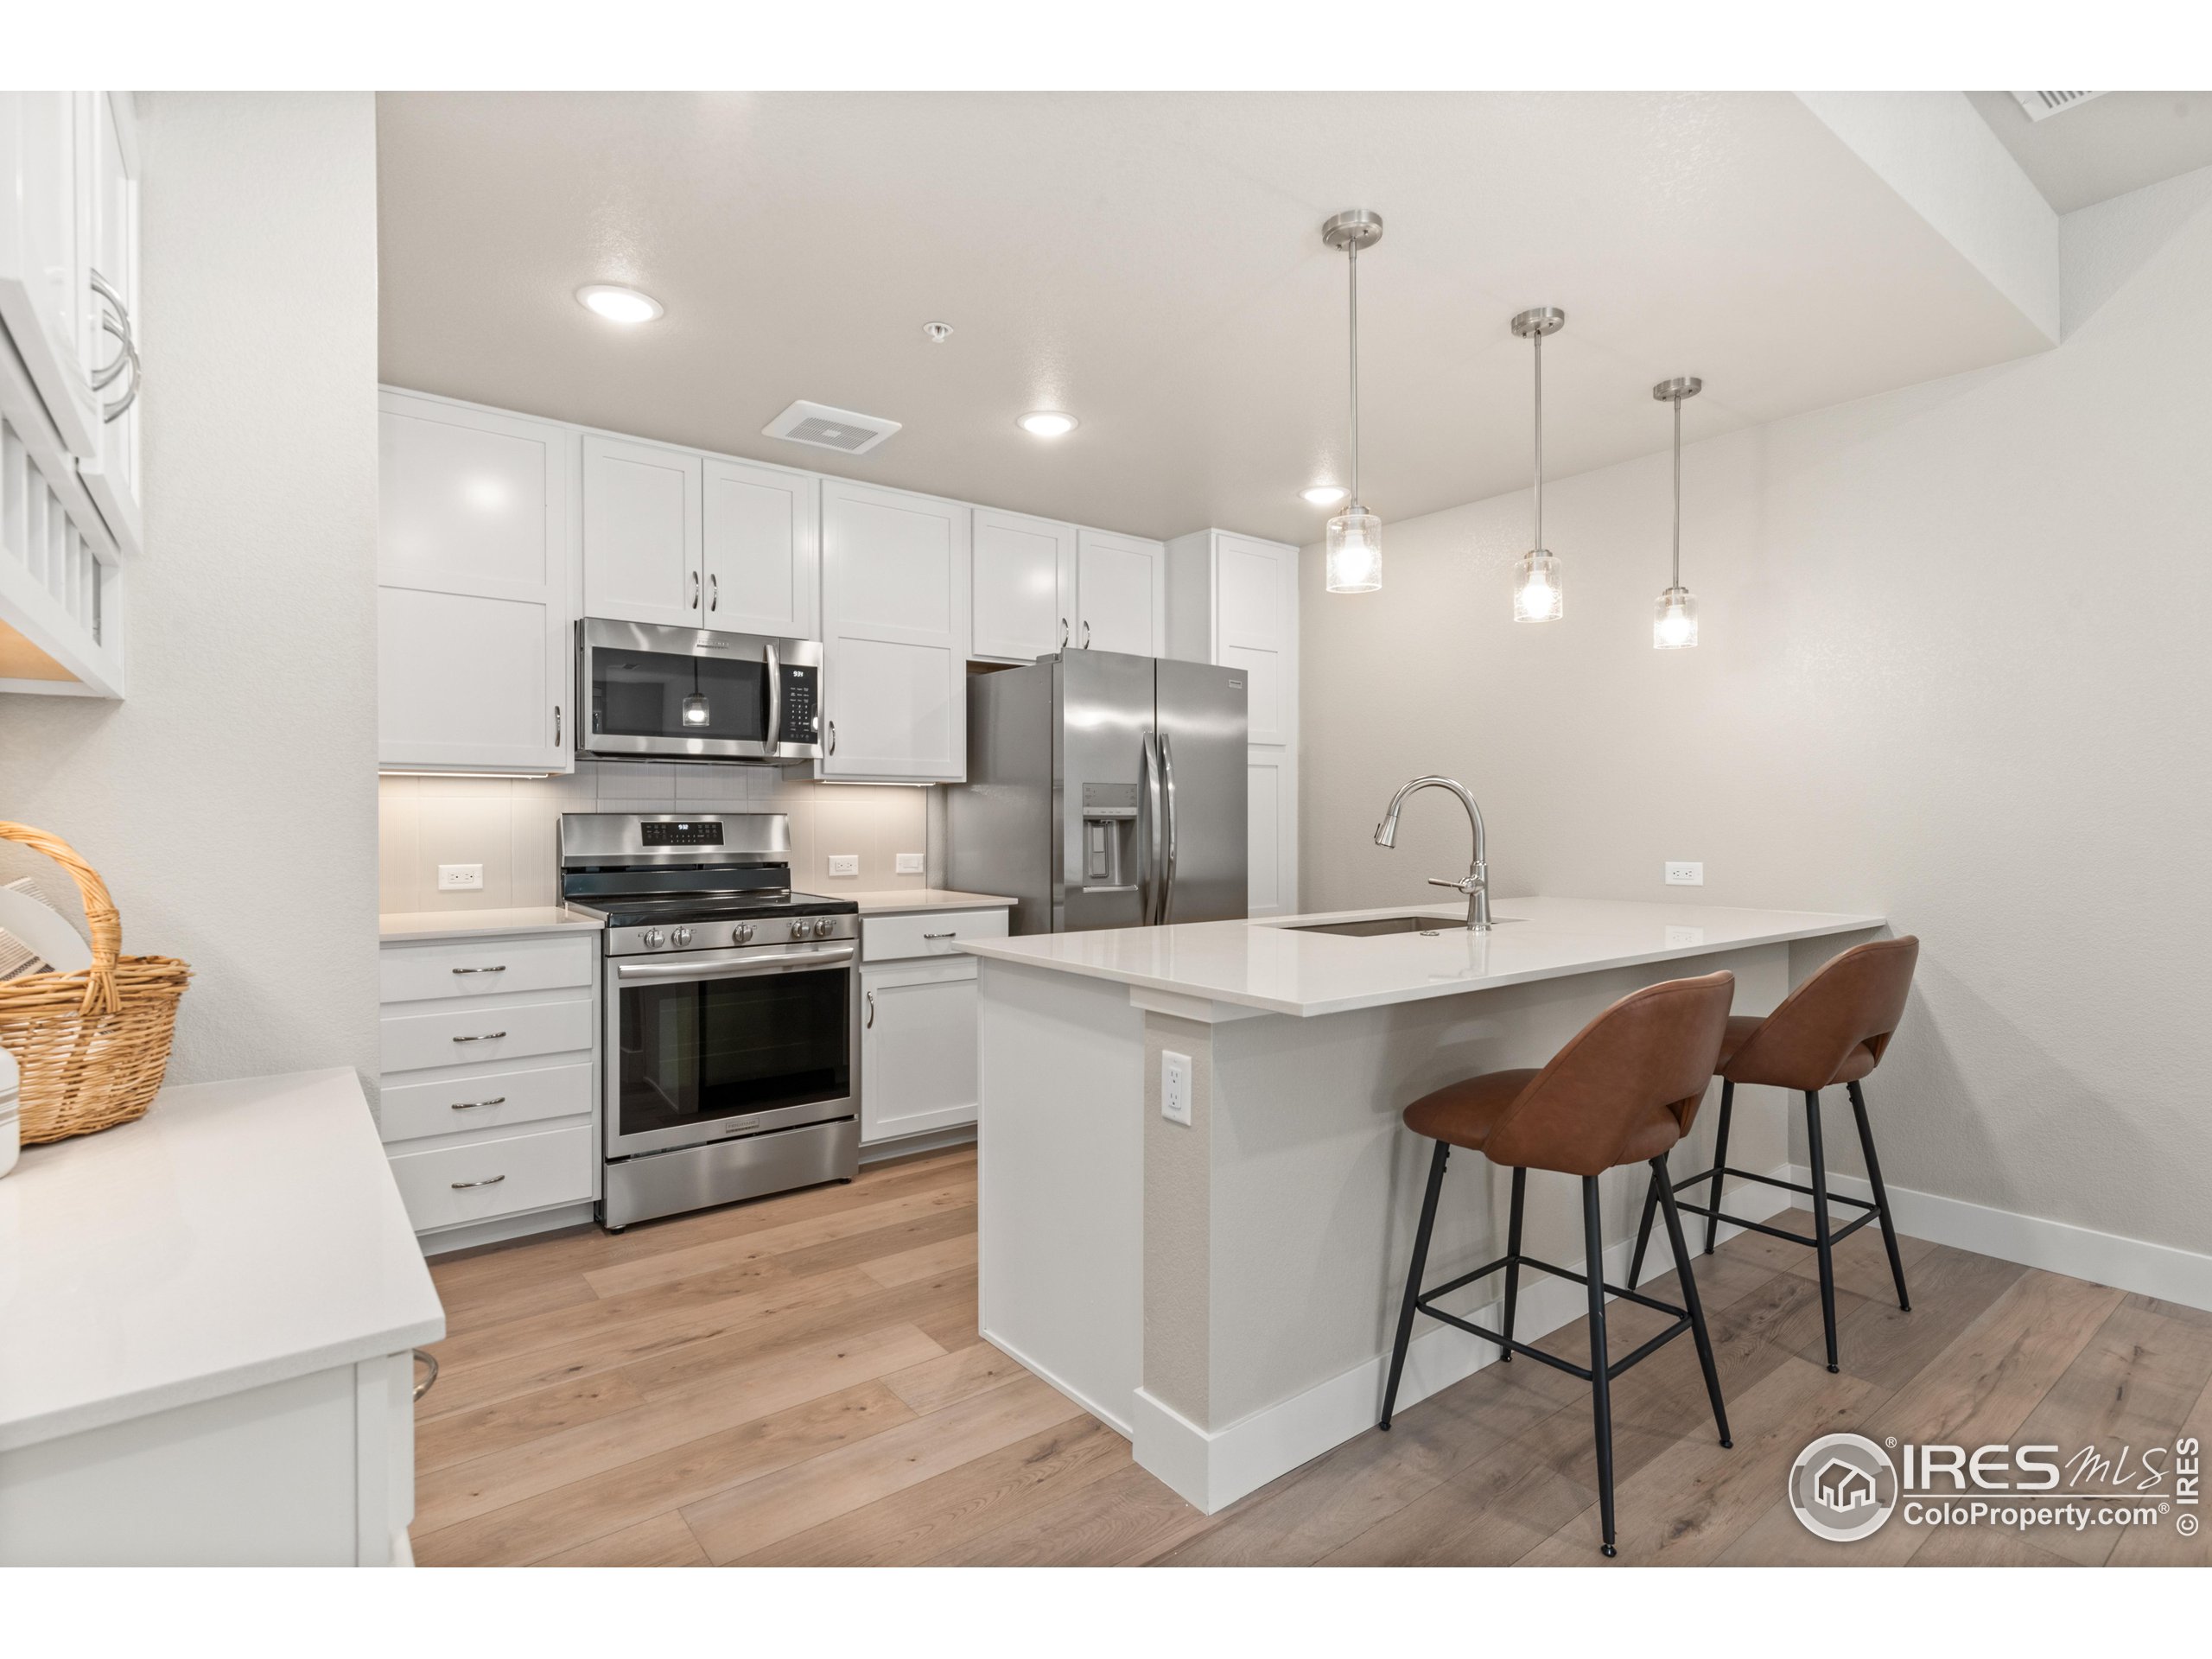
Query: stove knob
{"x": 652, "y": 939}
{"x": 800, "y": 929}
{"x": 822, "y": 928}
{"x": 743, "y": 935}
{"x": 681, "y": 936}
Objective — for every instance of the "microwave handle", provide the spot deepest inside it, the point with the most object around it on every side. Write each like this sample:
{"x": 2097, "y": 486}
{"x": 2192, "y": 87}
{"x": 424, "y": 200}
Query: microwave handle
{"x": 775, "y": 728}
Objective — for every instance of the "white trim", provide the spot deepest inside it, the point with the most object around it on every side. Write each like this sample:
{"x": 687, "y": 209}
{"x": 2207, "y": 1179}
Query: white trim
{"x": 1214, "y": 1469}
{"x": 500, "y": 1228}
{"x": 2133, "y": 1264}
{"x": 1113, "y": 1420}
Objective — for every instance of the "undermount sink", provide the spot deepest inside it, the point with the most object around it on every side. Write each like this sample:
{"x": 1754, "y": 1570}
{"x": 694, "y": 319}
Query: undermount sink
{"x": 1373, "y": 925}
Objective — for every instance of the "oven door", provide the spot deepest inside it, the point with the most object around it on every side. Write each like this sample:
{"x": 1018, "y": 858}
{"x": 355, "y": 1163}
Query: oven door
{"x": 720, "y": 1044}
{"x": 685, "y": 694}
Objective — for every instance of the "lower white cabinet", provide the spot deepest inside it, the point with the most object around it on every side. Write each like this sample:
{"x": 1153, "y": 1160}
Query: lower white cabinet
{"x": 917, "y": 1021}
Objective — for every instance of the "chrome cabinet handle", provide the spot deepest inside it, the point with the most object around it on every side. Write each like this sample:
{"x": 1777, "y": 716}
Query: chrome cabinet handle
{"x": 500, "y": 968}
{"x": 486, "y": 1037}
{"x": 869, "y": 1024}
{"x": 1063, "y": 633}
{"x": 953, "y": 933}
{"x": 695, "y": 590}
{"x": 1086, "y": 634}
{"x": 472, "y": 1105}
{"x": 424, "y": 1356}
{"x": 119, "y": 326}
{"x": 103, "y": 378}
{"x": 493, "y": 1180}
{"x": 714, "y": 593}
{"x": 557, "y": 725}
{"x": 833, "y": 737}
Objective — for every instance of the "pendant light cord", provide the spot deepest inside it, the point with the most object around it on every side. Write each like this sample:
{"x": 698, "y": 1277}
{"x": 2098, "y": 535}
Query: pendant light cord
{"x": 1678, "y": 492}
{"x": 1354, "y": 252}
{"x": 1540, "y": 442}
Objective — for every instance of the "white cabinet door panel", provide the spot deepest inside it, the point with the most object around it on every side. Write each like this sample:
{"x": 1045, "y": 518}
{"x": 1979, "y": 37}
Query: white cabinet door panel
{"x": 917, "y": 1048}
{"x": 1255, "y": 582}
{"x": 1024, "y": 590}
{"x": 464, "y": 681}
{"x": 463, "y": 501}
{"x": 895, "y": 630}
{"x": 1265, "y": 808}
{"x": 112, "y": 477}
{"x": 642, "y": 533}
{"x": 45, "y": 256}
{"x": 1122, "y": 583}
{"x": 761, "y": 538}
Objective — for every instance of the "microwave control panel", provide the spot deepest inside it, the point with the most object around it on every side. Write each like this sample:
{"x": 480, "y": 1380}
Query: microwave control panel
{"x": 802, "y": 720}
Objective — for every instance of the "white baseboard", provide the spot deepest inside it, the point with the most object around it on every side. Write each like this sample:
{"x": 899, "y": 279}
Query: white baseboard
{"x": 2134, "y": 1264}
{"x": 1213, "y": 1469}
{"x": 1112, "y": 1417}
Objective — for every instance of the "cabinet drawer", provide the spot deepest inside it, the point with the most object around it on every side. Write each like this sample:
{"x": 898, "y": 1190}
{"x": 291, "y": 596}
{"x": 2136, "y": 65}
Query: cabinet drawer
{"x": 926, "y": 933}
{"x": 484, "y": 1100}
{"x": 502, "y": 1176}
{"x": 417, "y": 973}
{"x": 498, "y": 1031}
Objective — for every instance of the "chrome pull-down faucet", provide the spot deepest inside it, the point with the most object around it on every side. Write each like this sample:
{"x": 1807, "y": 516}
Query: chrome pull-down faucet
{"x": 1476, "y": 885}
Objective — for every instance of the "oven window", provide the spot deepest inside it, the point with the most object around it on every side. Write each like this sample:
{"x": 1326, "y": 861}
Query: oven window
{"x": 718, "y": 1048}
{"x": 654, "y": 694}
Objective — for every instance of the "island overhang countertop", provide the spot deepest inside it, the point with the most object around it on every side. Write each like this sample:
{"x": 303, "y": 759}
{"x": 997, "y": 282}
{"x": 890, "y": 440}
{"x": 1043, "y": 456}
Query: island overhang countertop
{"x": 1271, "y": 966}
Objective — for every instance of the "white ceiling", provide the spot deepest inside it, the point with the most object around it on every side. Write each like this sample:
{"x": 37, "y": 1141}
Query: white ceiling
{"x": 1153, "y": 263}
{"x": 2115, "y": 142}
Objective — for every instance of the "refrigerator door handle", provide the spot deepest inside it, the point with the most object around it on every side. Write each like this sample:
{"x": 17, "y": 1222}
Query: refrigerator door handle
{"x": 1151, "y": 852}
{"x": 1168, "y": 828}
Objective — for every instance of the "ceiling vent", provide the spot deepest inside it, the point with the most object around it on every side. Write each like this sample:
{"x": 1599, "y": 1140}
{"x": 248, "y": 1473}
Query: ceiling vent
{"x": 2041, "y": 106}
{"x": 831, "y": 428}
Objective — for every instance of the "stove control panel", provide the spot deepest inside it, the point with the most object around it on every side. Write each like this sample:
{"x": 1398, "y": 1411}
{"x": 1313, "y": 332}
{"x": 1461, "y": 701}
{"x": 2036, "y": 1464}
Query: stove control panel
{"x": 764, "y": 936}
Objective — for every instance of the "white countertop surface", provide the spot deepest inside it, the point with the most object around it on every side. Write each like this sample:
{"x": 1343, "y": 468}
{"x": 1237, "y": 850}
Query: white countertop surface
{"x": 239, "y": 1234}
{"x": 890, "y": 901}
{"x": 1264, "y": 965}
{"x": 409, "y": 927}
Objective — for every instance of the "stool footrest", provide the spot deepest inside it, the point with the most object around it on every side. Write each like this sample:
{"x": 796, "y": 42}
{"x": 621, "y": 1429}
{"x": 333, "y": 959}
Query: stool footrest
{"x": 1681, "y": 1315}
{"x": 1836, "y": 1236}
{"x": 1704, "y": 1176}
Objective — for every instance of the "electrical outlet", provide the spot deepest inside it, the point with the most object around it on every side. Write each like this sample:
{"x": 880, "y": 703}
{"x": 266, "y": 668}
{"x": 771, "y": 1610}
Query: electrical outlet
{"x": 1175, "y": 1087}
{"x": 844, "y": 863}
{"x": 1682, "y": 874}
{"x": 1679, "y": 938}
{"x": 460, "y": 878}
{"x": 910, "y": 864}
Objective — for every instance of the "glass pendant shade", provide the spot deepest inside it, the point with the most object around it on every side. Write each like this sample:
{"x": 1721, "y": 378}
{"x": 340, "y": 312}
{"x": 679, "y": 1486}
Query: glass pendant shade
{"x": 695, "y": 710}
{"x": 1674, "y": 624}
{"x": 1355, "y": 550}
{"x": 1537, "y": 596}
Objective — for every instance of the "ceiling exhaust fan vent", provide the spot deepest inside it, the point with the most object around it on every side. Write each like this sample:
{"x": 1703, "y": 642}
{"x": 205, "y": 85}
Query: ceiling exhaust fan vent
{"x": 2041, "y": 106}
{"x": 826, "y": 428}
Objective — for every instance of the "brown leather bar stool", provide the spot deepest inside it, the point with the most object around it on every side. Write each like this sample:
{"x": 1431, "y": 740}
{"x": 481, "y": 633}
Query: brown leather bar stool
{"x": 1624, "y": 1091}
{"x": 1833, "y": 1028}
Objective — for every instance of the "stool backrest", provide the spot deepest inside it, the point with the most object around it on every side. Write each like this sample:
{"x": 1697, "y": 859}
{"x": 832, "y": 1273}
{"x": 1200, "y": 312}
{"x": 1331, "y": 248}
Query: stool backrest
{"x": 1853, "y": 998}
{"x": 1652, "y": 1051}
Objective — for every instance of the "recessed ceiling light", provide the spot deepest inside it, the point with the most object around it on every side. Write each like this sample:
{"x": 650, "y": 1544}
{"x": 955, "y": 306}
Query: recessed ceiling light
{"x": 1323, "y": 495}
{"x": 937, "y": 333}
{"x": 1046, "y": 423}
{"x": 619, "y": 304}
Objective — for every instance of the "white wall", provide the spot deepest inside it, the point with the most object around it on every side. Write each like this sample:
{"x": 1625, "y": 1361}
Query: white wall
{"x": 1954, "y": 668}
{"x": 230, "y": 802}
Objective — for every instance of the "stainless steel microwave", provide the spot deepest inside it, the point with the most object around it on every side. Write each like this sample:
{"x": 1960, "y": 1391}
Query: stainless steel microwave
{"x": 686, "y": 694}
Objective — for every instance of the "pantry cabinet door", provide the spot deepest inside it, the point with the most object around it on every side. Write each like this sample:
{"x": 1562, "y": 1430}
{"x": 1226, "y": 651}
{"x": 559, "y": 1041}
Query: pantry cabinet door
{"x": 45, "y": 253}
{"x": 894, "y": 635}
{"x": 1122, "y": 582}
{"x": 918, "y": 1049}
{"x": 1256, "y": 628}
{"x": 642, "y": 533}
{"x": 761, "y": 537}
{"x": 1024, "y": 590}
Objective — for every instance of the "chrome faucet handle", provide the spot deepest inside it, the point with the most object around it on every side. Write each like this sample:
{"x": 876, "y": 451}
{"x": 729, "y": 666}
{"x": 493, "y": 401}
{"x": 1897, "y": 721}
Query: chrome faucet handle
{"x": 1465, "y": 885}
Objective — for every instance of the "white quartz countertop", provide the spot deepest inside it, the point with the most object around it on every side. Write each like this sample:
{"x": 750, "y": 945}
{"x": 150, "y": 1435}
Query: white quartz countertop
{"x": 889, "y": 901}
{"x": 408, "y": 927}
{"x": 239, "y": 1234}
{"x": 1268, "y": 965}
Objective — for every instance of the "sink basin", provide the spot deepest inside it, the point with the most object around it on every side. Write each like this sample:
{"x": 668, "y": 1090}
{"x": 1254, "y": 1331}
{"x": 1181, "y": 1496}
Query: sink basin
{"x": 1373, "y": 925}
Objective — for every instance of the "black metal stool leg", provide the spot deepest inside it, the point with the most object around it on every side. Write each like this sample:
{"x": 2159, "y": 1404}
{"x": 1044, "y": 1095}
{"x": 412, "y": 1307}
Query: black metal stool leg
{"x": 1644, "y": 1227}
{"x": 1881, "y": 1195}
{"x": 1690, "y": 1303}
{"x": 1719, "y": 1163}
{"x": 1821, "y": 1240}
{"x": 1601, "y": 1398}
{"x": 1413, "y": 1278}
{"x": 1513, "y": 1258}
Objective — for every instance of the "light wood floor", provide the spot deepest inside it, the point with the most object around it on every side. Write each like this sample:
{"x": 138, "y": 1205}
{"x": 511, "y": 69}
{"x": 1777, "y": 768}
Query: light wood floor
{"x": 799, "y": 1381}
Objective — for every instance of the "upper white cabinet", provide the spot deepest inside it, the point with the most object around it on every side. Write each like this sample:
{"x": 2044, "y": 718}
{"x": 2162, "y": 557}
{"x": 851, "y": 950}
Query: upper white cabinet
{"x": 1120, "y": 588}
{"x": 472, "y": 602}
{"x": 1024, "y": 601}
{"x": 895, "y": 572}
{"x": 112, "y": 347}
{"x": 46, "y": 296}
{"x": 643, "y": 533}
{"x": 762, "y": 549}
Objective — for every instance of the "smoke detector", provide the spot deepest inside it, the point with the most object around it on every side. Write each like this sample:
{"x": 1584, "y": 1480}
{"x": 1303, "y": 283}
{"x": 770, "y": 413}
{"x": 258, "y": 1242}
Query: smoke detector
{"x": 825, "y": 428}
{"x": 2041, "y": 106}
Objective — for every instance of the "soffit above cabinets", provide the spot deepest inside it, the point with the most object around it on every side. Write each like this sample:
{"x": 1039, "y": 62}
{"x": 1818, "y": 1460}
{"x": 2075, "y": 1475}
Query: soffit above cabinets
{"x": 1148, "y": 263}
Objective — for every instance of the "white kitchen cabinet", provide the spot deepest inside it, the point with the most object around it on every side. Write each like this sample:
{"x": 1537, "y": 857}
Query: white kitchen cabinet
{"x": 1121, "y": 590}
{"x": 762, "y": 554}
{"x": 643, "y": 532}
{"x": 1024, "y": 594}
{"x": 895, "y": 571}
{"x": 917, "y": 1047}
{"x": 113, "y": 345}
{"x": 473, "y": 605}
{"x": 46, "y": 229}
{"x": 1232, "y": 600}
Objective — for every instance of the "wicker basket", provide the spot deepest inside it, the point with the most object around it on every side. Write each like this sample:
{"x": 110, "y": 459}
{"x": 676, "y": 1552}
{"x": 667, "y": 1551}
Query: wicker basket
{"x": 91, "y": 1046}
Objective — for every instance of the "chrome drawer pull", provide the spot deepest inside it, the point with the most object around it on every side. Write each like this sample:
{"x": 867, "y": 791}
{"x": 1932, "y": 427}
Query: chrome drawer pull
{"x": 471, "y": 1105}
{"x": 869, "y": 1023}
{"x": 500, "y": 969}
{"x": 493, "y": 1181}
{"x": 424, "y": 1356}
{"x": 487, "y": 1037}
{"x": 952, "y": 934}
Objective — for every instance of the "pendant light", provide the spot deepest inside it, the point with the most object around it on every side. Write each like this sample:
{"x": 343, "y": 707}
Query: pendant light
{"x": 1537, "y": 596}
{"x": 1355, "y": 540}
{"x": 1673, "y": 626}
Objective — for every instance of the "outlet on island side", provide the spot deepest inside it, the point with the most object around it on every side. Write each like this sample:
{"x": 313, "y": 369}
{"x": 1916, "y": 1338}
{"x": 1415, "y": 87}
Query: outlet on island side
{"x": 1682, "y": 872}
{"x": 1175, "y": 1087}
{"x": 844, "y": 863}
{"x": 460, "y": 878}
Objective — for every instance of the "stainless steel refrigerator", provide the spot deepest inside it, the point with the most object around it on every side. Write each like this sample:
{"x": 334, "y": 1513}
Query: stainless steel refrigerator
{"x": 1103, "y": 790}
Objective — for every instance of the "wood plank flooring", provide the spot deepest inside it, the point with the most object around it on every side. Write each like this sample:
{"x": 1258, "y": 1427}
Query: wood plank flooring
{"x": 799, "y": 1382}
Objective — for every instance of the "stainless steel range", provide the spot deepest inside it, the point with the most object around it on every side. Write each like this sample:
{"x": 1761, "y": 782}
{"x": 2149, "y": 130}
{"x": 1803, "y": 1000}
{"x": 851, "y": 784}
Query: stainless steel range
{"x": 730, "y": 1017}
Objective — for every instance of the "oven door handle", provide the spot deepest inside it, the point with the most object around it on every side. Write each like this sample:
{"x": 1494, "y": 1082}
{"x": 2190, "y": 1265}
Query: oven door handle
{"x": 632, "y": 973}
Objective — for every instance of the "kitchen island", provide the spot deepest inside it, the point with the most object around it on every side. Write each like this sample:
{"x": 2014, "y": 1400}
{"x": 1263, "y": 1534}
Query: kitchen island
{"x": 1221, "y": 1290}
